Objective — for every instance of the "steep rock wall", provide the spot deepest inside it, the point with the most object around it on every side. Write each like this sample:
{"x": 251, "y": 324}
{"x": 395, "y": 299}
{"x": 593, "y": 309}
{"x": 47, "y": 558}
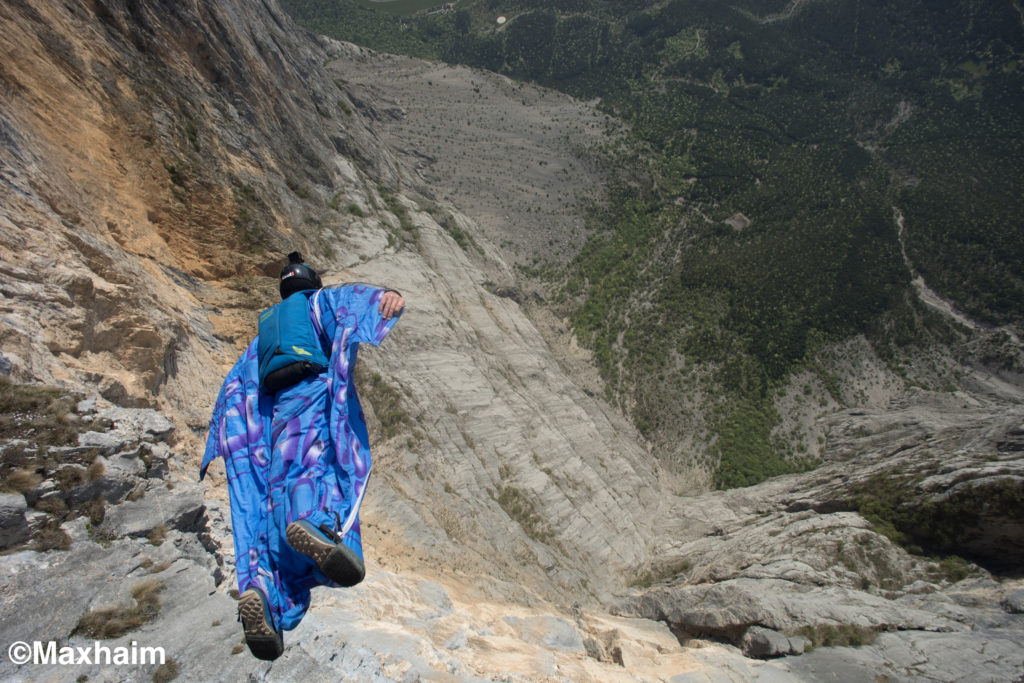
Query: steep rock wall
{"x": 158, "y": 161}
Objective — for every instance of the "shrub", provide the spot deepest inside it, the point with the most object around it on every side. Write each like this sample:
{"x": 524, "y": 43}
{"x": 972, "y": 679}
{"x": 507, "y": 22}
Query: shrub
{"x": 43, "y": 414}
{"x": 20, "y": 480}
{"x": 51, "y": 537}
{"x": 386, "y": 401}
{"x": 656, "y": 574}
{"x": 838, "y": 635}
{"x": 157, "y": 535}
{"x": 113, "y": 622}
{"x": 167, "y": 671}
{"x": 519, "y": 508}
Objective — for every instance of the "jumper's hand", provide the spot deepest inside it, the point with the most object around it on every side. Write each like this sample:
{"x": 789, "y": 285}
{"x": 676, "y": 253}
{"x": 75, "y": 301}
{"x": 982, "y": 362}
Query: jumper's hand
{"x": 391, "y": 304}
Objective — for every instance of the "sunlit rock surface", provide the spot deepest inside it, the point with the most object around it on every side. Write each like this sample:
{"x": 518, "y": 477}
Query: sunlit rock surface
{"x": 158, "y": 161}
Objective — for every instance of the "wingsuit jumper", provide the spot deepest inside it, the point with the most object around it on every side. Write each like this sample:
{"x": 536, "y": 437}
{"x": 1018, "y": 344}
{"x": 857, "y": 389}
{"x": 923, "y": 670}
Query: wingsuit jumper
{"x": 296, "y": 452}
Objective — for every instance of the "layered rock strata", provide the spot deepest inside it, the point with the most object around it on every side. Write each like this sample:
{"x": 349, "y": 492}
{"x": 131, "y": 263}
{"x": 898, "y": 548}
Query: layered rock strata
{"x": 156, "y": 163}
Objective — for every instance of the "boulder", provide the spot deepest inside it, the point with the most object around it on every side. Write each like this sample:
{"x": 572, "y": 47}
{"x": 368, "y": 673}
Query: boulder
{"x": 141, "y": 423}
{"x": 727, "y": 609}
{"x": 763, "y": 643}
{"x": 105, "y": 442}
{"x": 1014, "y": 602}
{"x": 87, "y": 406}
{"x": 37, "y": 493}
{"x": 114, "y": 478}
{"x": 14, "y": 527}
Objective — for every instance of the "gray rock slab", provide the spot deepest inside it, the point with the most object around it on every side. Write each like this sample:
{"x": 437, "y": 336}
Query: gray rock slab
{"x": 1014, "y": 602}
{"x": 177, "y": 508}
{"x": 45, "y": 489}
{"x": 846, "y": 665}
{"x": 434, "y": 594}
{"x": 726, "y": 665}
{"x": 457, "y": 641}
{"x": 120, "y": 476}
{"x": 763, "y": 643}
{"x": 13, "y": 525}
{"x": 989, "y": 655}
{"x": 42, "y": 596}
{"x": 142, "y": 423}
{"x": 106, "y": 442}
{"x": 36, "y": 520}
{"x": 86, "y": 406}
{"x": 729, "y": 607}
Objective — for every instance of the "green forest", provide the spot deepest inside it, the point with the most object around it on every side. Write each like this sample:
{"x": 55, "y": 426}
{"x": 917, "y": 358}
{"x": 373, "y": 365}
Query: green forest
{"x": 752, "y": 213}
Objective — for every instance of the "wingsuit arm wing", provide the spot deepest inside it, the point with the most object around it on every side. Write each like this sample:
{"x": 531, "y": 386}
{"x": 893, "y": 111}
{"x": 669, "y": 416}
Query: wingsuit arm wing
{"x": 232, "y": 392}
{"x": 355, "y": 306}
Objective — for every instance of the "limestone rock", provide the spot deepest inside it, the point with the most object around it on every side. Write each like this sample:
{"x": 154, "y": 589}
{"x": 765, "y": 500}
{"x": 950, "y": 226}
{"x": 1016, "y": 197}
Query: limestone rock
{"x": 112, "y": 478}
{"x": 14, "y": 528}
{"x": 105, "y": 442}
{"x": 763, "y": 643}
{"x": 728, "y": 608}
{"x": 548, "y": 631}
{"x": 140, "y": 424}
{"x": 1014, "y": 602}
{"x": 506, "y": 488}
{"x": 44, "y": 595}
{"x": 914, "y": 656}
{"x": 161, "y": 508}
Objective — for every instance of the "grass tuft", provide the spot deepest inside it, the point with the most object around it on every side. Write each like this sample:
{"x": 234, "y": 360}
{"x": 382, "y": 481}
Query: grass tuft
{"x": 838, "y": 635}
{"x": 167, "y": 671}
{"x": 653, "y": 575}
{"x": 113, "y": 622}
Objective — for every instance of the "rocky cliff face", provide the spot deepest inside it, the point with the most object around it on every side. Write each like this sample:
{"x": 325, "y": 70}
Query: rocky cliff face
{"x": 158, "y": 159}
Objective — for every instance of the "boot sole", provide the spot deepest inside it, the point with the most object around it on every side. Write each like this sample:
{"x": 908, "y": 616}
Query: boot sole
{"x": 263, "y": 641}
{"x": 337, "y": 562}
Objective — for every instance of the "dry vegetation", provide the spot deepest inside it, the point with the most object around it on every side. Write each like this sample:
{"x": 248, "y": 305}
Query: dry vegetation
{"x": 113, "y": 622}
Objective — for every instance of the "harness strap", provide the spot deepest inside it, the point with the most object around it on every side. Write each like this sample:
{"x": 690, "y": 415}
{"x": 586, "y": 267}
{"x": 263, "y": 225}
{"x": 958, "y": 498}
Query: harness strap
{"x": 316, "y": 314}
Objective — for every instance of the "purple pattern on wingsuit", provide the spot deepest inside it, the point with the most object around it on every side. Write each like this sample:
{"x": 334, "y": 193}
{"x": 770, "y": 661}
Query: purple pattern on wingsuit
{"x": 302, "y": 454}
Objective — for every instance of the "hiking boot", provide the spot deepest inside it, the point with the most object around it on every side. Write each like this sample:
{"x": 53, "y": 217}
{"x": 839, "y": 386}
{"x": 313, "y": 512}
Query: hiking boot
{"x": 338, "y": 562}
{"x": 254, "y": 612}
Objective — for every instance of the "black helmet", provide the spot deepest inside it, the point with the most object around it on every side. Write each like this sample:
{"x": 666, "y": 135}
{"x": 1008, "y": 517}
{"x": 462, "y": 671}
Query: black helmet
{"x": 296, "y": 277}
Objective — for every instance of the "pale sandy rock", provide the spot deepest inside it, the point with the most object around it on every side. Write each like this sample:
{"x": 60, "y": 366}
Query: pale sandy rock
{"x": 719, "y": 664}
{"x": 548, "y": 631}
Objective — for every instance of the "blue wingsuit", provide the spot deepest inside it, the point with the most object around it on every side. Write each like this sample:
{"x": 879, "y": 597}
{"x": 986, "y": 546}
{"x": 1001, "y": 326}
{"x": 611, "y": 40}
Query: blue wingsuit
{"x": 302, "y": 453}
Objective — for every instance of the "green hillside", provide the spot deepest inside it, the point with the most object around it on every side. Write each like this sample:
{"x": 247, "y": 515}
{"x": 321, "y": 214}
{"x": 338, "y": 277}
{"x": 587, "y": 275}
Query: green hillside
{"x": 753, "y": 216}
